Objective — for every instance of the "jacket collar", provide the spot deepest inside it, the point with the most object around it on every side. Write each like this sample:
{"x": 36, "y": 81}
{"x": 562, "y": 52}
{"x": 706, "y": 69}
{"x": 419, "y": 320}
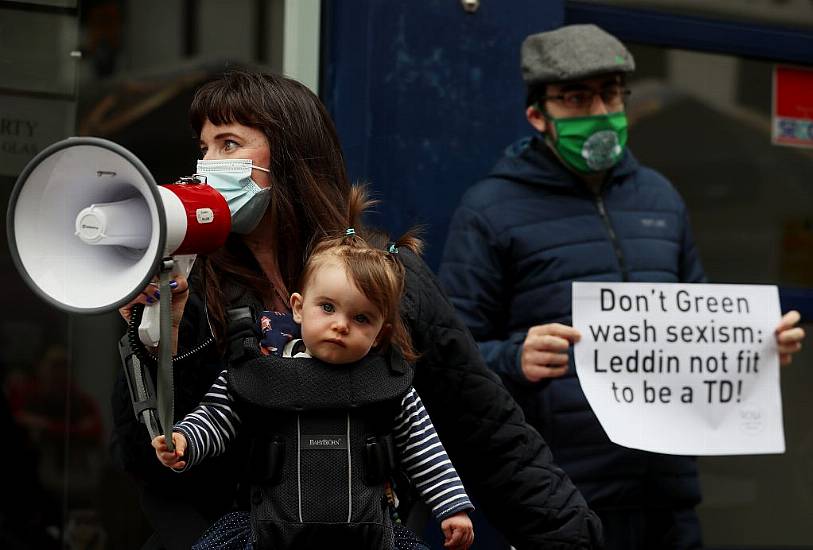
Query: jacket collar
{"x": 530, "y": 160}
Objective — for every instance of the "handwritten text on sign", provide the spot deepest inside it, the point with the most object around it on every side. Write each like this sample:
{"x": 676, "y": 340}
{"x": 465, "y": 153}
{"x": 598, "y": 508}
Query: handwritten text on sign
{"x": 679, "y": 368}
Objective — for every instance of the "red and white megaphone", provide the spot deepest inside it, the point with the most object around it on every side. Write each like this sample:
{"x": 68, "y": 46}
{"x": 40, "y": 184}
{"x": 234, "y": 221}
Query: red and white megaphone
{"x": 88, "y": 228}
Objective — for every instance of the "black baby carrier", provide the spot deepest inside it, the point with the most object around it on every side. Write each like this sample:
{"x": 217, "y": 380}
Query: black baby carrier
{"x": 322, "y": 449}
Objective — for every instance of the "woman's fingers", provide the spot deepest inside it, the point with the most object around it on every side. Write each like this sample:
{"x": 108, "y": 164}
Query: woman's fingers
{"x": 151, "y": 294}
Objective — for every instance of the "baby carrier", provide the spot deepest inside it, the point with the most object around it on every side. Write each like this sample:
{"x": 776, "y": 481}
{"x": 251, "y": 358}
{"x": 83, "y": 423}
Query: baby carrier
{"x": 322, "y": 448}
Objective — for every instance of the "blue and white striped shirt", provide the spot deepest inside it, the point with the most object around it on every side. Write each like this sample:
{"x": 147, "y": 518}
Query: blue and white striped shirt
{"x": 214, "y": 423}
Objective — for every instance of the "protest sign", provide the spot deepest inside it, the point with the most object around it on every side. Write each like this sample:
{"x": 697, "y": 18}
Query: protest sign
{"x": 681, "y": 368}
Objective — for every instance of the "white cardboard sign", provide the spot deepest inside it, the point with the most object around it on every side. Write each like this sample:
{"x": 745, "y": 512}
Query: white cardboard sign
{"x": 687, "y": 369}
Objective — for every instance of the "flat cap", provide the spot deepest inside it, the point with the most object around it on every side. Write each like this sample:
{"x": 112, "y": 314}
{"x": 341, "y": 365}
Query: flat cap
{"x": 572, "y": 53}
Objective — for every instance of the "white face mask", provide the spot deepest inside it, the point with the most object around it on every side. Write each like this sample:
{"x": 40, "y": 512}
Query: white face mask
{"x": 232, "y": 178}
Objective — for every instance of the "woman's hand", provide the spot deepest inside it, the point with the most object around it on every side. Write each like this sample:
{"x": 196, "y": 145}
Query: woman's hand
{"x": 458, "y": 531}
{"x": 150, "y": 295}
{"x": 169, "y": 458}
{"x": 789, "y": 337}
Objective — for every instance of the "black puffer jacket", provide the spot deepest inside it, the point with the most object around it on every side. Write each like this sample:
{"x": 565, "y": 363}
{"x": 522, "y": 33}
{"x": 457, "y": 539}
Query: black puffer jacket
{"x": 504, "y": 463}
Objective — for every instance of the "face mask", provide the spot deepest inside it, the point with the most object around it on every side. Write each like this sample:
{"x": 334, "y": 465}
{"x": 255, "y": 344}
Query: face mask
{"x": 247, "y": 200}
{"x": 591, "y": 143}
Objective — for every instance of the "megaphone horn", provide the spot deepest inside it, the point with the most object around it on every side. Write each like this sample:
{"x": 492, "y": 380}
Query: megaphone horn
{"x": 88, "y": 226}
{"x": 88, "y": 230}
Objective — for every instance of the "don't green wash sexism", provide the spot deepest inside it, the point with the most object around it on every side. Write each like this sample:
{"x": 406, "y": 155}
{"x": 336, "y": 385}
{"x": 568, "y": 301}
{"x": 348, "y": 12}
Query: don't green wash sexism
{"x": 681, "y": 303}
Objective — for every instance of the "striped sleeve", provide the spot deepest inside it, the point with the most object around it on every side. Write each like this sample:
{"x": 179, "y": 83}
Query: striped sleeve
{"x": 211, "y": 426}
{"x": 425, "y": 460}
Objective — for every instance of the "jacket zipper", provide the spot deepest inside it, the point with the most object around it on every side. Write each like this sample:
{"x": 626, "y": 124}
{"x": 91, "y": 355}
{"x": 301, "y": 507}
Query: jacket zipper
{"x": 619, "y": 255}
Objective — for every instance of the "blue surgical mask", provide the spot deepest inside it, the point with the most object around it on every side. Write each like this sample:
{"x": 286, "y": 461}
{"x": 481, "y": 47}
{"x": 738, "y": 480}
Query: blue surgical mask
{"x": 232, "y": 178}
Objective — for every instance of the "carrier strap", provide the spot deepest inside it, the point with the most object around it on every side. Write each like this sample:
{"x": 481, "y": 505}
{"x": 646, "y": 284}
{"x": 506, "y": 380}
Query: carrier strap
{"x": 303, "y": 384}
{"x": 241, "y": 329}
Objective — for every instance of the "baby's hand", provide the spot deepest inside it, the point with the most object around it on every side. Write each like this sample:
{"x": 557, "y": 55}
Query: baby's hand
{"x": 458, "y": 531}
{"x": 168, "y": 458}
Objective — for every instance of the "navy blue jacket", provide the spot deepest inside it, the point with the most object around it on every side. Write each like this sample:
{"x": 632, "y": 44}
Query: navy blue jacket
{"x": 516, "y": 243}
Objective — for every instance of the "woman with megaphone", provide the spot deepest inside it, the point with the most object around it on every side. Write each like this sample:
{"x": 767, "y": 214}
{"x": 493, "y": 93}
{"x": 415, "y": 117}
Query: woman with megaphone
{"x": 269, "y": 146}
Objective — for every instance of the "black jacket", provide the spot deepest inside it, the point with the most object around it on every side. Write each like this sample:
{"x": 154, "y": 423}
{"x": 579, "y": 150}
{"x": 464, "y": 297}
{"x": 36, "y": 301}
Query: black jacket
{"x": 518, "y": 240}
{"x": 504, "y": 463}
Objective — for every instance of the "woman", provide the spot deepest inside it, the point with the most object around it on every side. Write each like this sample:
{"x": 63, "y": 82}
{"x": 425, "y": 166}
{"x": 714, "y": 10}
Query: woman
{"x": 298, "y": 191}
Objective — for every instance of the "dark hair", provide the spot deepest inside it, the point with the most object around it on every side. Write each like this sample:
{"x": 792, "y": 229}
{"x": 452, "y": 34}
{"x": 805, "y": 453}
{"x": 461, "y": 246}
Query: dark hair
{"x": 534, "y": 94}
{"x": 376, "y": 271}
{"x": 309, "y": 185}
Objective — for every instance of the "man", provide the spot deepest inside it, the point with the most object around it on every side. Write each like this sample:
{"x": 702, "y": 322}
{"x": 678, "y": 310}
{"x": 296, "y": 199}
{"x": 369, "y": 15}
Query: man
{"x": 572, "y": 203}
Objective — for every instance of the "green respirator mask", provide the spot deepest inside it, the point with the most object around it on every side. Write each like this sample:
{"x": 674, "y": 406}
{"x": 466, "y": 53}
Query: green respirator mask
{"x": 591, "y": 143}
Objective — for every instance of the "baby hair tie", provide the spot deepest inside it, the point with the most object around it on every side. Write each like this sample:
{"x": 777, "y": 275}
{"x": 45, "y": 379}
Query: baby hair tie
{"x": 392, "y": 249}
{"x": 349, "y": 232}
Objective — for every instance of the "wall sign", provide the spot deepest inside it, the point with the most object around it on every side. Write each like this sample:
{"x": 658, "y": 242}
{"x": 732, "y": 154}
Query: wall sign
{"x": 792, "y": 115}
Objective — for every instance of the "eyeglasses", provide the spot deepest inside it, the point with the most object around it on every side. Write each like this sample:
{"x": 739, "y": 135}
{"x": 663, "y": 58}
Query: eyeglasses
{"x": 613, "y": 97}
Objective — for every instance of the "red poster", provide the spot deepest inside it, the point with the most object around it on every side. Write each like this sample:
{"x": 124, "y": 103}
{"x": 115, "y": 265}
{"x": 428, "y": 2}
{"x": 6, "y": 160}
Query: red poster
{"x": 792, "y": 106}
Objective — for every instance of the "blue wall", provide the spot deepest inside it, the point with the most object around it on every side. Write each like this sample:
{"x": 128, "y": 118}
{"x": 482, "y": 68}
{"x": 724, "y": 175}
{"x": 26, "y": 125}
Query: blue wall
{"x": 425, "y": 97}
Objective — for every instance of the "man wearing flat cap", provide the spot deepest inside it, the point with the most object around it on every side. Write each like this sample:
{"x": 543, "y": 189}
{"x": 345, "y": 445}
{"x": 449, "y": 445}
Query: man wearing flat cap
{"x": 572, "y": 203}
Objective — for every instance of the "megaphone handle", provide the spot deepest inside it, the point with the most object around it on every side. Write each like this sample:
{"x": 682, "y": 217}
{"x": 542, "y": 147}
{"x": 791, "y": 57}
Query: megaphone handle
{"x": 166, "y": 390}
{"x": 149, "y": 329}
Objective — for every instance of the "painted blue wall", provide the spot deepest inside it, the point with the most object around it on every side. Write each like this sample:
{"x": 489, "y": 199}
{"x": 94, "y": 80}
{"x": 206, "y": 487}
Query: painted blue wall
{"x": 425, "y": 97}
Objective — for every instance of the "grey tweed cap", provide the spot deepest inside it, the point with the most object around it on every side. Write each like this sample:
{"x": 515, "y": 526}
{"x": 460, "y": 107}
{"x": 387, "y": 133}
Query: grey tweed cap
{"x": 572, "y": 53}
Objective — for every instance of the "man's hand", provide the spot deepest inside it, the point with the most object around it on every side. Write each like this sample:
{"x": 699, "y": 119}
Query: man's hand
{"x": 168, "y": 458}
{"x": 544, "y": 352}
{"x": 789, "y": 337}
{"x": 458, "y": 531}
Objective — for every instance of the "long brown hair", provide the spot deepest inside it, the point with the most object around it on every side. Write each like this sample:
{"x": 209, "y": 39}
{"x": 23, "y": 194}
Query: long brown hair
{"x": 309, "y": 185}
{"x": 376, "y": 272}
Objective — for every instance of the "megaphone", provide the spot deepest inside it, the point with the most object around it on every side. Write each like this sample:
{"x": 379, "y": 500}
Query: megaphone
{"x": 88, "y": 227}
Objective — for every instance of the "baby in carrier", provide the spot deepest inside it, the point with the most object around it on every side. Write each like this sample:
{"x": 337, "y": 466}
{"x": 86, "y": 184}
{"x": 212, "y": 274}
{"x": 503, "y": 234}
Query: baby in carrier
{"x": 334, "y": 413}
